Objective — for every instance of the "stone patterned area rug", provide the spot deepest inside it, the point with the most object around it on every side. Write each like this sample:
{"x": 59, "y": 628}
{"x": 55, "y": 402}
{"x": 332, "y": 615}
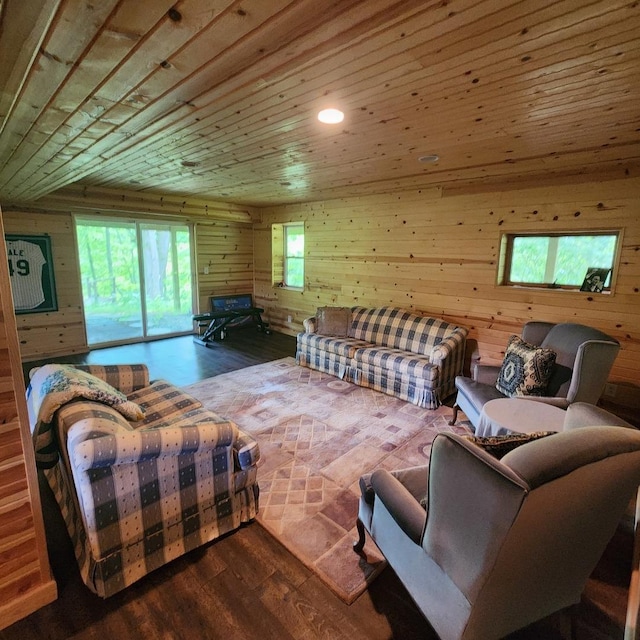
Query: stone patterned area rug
{"x": 317, "y": 436}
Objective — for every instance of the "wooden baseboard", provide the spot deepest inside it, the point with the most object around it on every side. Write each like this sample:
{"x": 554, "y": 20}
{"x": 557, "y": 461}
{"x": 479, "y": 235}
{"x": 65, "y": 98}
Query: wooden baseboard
{"x": 28, "y": 603}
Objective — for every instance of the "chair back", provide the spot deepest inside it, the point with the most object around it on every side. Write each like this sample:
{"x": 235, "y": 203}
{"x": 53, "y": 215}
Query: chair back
{"x": 584, "y": 359}
{"x": 522, "y": 536}
{"x": 397, "y": 328}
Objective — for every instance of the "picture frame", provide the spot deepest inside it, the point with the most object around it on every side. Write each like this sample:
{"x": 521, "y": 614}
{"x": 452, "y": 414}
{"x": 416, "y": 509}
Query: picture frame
{"x": 31, "y": 273}
{"x": 595, "y": 279}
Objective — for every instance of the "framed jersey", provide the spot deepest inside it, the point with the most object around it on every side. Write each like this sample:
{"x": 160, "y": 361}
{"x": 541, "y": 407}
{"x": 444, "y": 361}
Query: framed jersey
{"x": 31, "y": 273}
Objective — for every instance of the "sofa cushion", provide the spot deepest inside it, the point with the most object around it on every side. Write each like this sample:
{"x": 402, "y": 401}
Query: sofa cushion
{"x": 399, "y": 329}
{"x": 525, "y": 370}
{"x": 340, "y": 346}
{"x": 333, "y": 321}
{"x": 396, "y": 360}
{"x": 189, "y": 418}
{"x": 161, "y": 400}
{"x": 476, "y": 393}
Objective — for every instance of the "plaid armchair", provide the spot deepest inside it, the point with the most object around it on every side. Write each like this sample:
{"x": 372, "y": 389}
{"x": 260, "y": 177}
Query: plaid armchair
{"x": 136, "y": 495}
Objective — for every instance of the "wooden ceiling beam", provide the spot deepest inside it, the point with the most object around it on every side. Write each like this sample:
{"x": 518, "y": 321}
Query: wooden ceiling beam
{"x": 80, "y": 199}
{"x": 23, "y": 27}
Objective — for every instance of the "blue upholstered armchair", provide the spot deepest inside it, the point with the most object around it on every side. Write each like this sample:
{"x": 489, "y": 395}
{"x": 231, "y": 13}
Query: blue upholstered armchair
{"x": 486, "y": 546}
{"x": 584, "y": 357}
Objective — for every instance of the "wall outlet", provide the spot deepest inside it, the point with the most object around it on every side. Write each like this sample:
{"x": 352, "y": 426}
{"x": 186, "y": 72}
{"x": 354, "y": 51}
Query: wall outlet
{"x": 610, "y": 389}
{"x": 289, "y": 319}
{"x": 206, "y": 271}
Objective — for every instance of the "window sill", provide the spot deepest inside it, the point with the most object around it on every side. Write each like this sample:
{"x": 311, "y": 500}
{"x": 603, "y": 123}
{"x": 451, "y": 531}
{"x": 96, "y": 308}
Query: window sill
{"x": 286, "y": 288}
{"x": 550, "y": 288}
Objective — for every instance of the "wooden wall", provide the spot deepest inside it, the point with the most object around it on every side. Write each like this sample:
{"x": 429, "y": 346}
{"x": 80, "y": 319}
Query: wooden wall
{"x": 225, "y": 250}
{"x": 428, "y": 250}
{"x": 59, "y": 332}
{"x": 25, "y": 580}
{"x": 436, "y": 252}
{"x": 223, "y": 247}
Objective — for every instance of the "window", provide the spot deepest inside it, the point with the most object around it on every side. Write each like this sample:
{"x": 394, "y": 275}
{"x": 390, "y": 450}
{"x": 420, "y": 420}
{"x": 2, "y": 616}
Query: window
{"x": 136, "y": 279}
{"x": 287, "y": 244}
{"x": 557, "y": 261}
{"x": 294, "y": 255}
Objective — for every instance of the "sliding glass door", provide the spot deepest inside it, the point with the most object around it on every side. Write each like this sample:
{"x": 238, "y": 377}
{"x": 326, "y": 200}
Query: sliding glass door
{"x": 166, "y": 251}
{"x": 136, "y": 279}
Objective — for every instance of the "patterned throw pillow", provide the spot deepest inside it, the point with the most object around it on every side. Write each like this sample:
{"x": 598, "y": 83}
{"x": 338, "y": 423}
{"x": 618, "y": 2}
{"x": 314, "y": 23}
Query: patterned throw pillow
{"x": 525, "y": 370}
{"x": 333, "y": 321}
{"x": 499, "y": 446}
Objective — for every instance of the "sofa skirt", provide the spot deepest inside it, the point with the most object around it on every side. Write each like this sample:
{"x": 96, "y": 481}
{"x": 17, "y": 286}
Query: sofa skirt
{"x": 325, "y": 361}
{"x": 124, "y": 566}
{"x": 403, "y": 386}
{"x": 408, "y": 388}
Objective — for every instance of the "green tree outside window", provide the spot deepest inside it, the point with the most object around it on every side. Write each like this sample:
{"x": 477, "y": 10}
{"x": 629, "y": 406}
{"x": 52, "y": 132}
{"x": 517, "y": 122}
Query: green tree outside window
{"x": 294, "y": 255}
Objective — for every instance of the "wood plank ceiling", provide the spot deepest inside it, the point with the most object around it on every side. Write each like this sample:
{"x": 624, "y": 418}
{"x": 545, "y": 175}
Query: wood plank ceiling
{"x": 217, "y": 98}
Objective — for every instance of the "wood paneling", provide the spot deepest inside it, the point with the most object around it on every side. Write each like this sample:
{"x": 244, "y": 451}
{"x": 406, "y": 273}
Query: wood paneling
{"x": 225, "y": 250}
{"x": 218, "y": 100}
{"x": 57, "y": 332}
{"x": 224, "y": 246}
{"x": 439, "y": 255}
{"x": 88, "y": 200}
{"x": 25, "y": 580}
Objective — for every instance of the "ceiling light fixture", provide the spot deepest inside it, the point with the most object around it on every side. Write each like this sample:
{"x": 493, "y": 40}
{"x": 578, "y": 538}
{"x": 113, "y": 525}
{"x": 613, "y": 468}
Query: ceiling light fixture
{"x": 331, "y": 116}
{"x": 429, "y": 159}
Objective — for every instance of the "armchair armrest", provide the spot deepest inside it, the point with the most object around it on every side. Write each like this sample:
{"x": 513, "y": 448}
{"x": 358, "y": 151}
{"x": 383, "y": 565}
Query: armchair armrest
{"x": 561, "y": 403}
{"x": 310, "y": 324}
{"x": 86, "y": 451}
{"x": 584, "y": 414}
{"x": 486, "y": 373}
{"x": 400, "y": 503}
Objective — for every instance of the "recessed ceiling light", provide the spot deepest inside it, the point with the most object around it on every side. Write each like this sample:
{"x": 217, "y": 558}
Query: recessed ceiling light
{"x": 331, "y": 116}
{"x": 429, "y": 158}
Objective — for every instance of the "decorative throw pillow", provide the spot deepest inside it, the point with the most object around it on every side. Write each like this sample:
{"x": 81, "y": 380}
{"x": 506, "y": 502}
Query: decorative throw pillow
{"x": 333, "y": 321}
{"x": 499, "y": 446}
{"x": 525, "y": 370}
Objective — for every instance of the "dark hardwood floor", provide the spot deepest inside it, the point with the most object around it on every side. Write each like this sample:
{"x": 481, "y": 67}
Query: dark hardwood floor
{"x": 246, "y": 585}
{"x": 183, "y": 361}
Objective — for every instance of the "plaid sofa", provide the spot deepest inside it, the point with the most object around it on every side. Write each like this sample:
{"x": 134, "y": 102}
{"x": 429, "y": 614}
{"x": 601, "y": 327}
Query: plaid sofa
{"x": 135, "y": 496}
{"x": 415, "y": 358}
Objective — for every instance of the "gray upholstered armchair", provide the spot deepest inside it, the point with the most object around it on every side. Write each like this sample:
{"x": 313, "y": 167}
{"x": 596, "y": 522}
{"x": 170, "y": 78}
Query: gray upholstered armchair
{"x": 584, "y": 357}
{"x": 502, "y": 543}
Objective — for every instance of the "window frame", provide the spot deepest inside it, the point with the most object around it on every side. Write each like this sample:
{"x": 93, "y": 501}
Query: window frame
{"x": 279, "y": 254}
{"x": 137, "y": 224}
{"x": 286, "y": 227}
{"x": 506, "y": 255}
